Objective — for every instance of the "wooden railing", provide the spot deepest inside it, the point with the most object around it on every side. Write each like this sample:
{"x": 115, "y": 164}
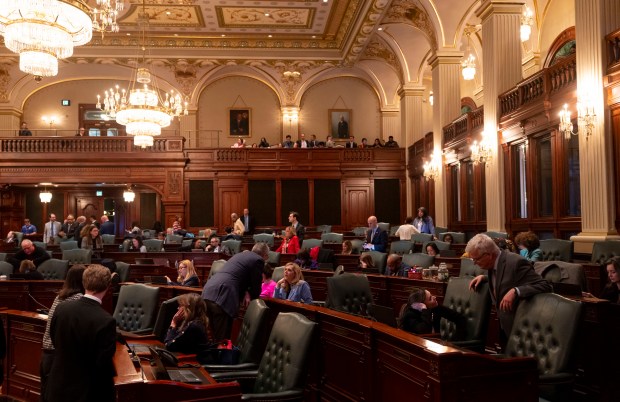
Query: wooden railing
{"x": 463, "y": 125}
{"x": 613, "y": 51}
{"x": 84, "y": 144}
{"x": 539, "y": 86}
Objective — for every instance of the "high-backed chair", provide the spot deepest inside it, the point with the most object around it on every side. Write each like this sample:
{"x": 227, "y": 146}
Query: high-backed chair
{"x": 40, "y": 244}
{"x": 233, "y": 245}
{"x": 357, "y": 246}
{"x": 54, "y": 269}
{"x": 2, "y": 256}
{"x": 324, "y": 228}
{"x": 459, "y": 237}
{"x": 77, "y": 256}
{"x": 421, "y": 237}
{"x": 349, "y": 293}
{"x": 311, "y": 243}
{"x": 278, "y": 273}
{"x": 264, "y": 238}
{"x": 441, "y": 245}
{"x": 216, "y": 266}
{"x": 136, "y": 307}
{"x": 474, "y": 306}
{"x": 20, "y": 237}
{"x": 282, "y": 371}
{"x": 68, "y": 245}
{"x": 497, "y": 235}
{"x": 556, "y": 250}
{"x": 562, "y": 272}
{"x": 332, "y": 238}
{"x": 6, "y": 268}
{"x": 604, "y": 250}
{"x": 380, "y": 260}
{"x": 274, "y": 258}
{"x": 545, "y": 328}
{"x": 393, "y": 230}
{"x": 251, "y": 340}
{"x": 385, "y": 226}
{"x": 187, "y": 242}
{"x": 469, "y": 269}
{"x": 360, "y": 230}
{"x": 174, "y": 239}
{"x": 166, "y": 311}
{"x": 153, "y": 245}
{"x": 122, "y": 269}
{"x": 401, "y": 247}
{"x": 418, "y": 259}
{"x": 108, "y": 238}
{"x": 439, "y": 230}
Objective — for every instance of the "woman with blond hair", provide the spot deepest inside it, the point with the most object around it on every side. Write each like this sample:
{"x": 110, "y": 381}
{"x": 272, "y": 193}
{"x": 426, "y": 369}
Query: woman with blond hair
{"x": 187, "y": 275}
{"x": 292, "y": 286}
{"x": 188, "y": 328}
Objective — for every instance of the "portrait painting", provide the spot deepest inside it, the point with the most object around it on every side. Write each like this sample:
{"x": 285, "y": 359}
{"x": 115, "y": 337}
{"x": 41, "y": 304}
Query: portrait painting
{"x": 340, "y": 123}
{"x": 239, "y": 122}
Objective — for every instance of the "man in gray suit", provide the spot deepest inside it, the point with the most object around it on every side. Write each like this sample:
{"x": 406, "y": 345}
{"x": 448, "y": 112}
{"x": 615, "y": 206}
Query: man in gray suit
{"x": 511, "y": 278}
{"x": 52, "y": 228}
{"x": 239, "y": 280}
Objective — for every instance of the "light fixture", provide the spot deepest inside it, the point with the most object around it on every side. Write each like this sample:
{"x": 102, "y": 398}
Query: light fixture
{"x": 45, "y": 196}
{"x": 566, "y": 125}
{"x": 129, "y": 195}
{"x": 469, "y": 64}
{"x": 586, "y": 117}
{"x": 44, "y": 31}
{"x": 431, "y": 167}
{"x": 527, "y": 20}
{"x": 140, "y": 108}
{"x": 104, "y": 17}
{"x": 431, "y": 98}
{"x": 482, "y": 152}
{"x": 51, "y": 120}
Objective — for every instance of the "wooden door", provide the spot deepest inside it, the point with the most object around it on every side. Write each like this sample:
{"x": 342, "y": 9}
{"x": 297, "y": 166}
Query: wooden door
{"x": 87, "y": 206}
{"x": 230, "y": 199}
{"x": 357, "y": 205}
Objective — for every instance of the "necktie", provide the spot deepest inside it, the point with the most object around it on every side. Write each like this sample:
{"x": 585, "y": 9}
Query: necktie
{"x": 52, "y": 229}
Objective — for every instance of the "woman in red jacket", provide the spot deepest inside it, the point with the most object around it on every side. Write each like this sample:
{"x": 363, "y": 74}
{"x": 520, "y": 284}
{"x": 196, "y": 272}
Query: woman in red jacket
{"x": 290, "y": 243}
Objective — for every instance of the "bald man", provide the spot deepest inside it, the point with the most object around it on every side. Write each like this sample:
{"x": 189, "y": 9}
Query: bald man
{"x": 376, "y": 239}
{"x": 28, "y": 252}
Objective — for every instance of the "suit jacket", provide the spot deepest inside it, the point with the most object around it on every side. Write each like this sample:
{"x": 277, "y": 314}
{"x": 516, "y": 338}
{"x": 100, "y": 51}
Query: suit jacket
{"x": 298, "y": 144}
{"x": 514, "y": 271}
{"x": 351, "y": 145}
{"x": 300, "y": 232}
{"x": 107, "y": 228}
{"x": 379, "y": 240}
{"x": 84, "y": 336}
{"x": 243, "y": 272}
{"x": 249, "y": 228}
{"x": 69, "y": 229}
{"x": 47, "y": 233}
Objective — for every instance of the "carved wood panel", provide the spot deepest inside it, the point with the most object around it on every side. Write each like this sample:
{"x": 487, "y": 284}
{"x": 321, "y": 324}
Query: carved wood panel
{"x": 88, "y": 206}
{"x": 231, "y": 200}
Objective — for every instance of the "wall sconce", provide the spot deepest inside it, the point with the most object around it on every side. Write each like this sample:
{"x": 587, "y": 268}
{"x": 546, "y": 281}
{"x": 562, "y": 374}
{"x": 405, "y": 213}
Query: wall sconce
{"x": 51, "y": 120}
{"x": 45, "y": 196}
{"x": 290, "y": 114}
{"x": 586, "y": 117}
{"x": 481, "y": 152}
{"x": 432, "y": 167}
{"x": 129, "y": 195}
{"x": 527, "y": 20}
{"x": 430, "y": 98}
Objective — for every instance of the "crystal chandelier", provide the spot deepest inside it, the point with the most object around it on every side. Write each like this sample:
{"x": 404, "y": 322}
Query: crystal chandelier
{"x": 586, "y": 117}
{"x": 129, "y": 195}
{"x": 431, "y": 168}
{"x": 481, "y": 152}
{"x": 527, "y": 20}
{"x": 104, "y": 17}
{"x": 44, "y": 31}
{"x": 469, "y": 64}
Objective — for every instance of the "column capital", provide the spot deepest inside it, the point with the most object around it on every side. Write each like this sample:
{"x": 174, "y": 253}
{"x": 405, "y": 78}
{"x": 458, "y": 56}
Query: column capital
{"x": 445, "y": 56}
{"x": 411, "y": 90}
{"x": 490, "y": 7}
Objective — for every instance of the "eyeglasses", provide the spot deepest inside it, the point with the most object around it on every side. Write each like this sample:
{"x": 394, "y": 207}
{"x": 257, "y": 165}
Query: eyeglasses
{"x": 475, "y": 260}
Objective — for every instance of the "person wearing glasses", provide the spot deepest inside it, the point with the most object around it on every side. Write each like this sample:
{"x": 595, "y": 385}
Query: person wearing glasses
{"x": 511, "y": 278}
{"x": 187, "y": 275}
{"x": 214, "y": 246}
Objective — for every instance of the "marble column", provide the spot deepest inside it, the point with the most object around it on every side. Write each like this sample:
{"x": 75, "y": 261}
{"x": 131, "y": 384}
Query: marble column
{"x": 593, "y": 20}
{"x": 501, "y": 49}
{"x": 411, "y": 124}
{"x": 446, "y": 69}
{"x": 390, "y": 125}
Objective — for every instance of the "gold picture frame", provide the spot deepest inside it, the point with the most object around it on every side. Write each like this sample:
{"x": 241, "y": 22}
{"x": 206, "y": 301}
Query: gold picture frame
{"x": 240, "y": 122}
{"x": 340, "y": 123}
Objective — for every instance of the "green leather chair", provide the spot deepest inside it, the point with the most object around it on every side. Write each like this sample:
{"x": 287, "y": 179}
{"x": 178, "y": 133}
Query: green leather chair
{"x": 54, "y": 269}
{"x": 136, "y": 307}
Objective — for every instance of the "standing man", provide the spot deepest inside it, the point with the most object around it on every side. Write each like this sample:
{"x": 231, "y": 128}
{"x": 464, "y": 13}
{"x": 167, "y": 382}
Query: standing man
{"x": 376, "y": 239}
{"x": 84, "y": 338}
{"x": 28, "y": 229}
{"x": 240, "y": 279}
{"x": 52, "y": 228}
{"x": 343, "y": 128}
{"x": 24, "y": 132}
{"x": 511, "y": 278}
{"x": 67, "y": 230}
{"x": 238, "y": 227}
{"x": 300, "y": 230}
{"x": 248, "y": 222}
{"x": 81, "y": 222}
{"x": 107, "y": 227}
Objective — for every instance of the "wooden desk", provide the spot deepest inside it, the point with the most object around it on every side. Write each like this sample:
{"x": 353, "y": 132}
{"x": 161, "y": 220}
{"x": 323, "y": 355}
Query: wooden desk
{"x": 15, "y": 294}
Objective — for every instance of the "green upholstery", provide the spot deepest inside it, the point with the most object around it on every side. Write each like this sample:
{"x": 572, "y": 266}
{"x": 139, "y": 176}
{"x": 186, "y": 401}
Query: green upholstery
{"x": 385, "y": 226}
{"x": 68, "y": 245}
{"x": 459, "y": 237}
{"x": 2, "y": 256}
{"x": 274, "y": 259}
{"x": 358, "y": 246}
{"x": 332, "y": 238}
{"x": 124, "y": 247}
{"x": 40, "y": 244}
{"x": 562, "y": 272}
{"x": 6, "y": 268}
{"x": 497, "y": 235}
{"x": 216, "y": 266}
{"x": 233, "y": 245}
{"x": 360, "y": 230}
{"x": 349, "y": 293}
{"x": 108, "y": 238}
{"x": 54, "y": 269}
{"x": 421, "y": 237}
{"x": 440, "y": 245}
{"x": 122, "y": 269}
{"x": 380, "y": 260}
{"x": 187, "y": 242}
{"x": 439, "y": 230}
{"x": 135, "y": 308}
{"x": 469, "y": 269}
{"x": 311, "y": 243}
{"x": 173, "y": 239}
{"x": 278, "y": 273}
{"x": 77, "y": 256}
{"x": 324, "y": 228}
{"x": 418, "y": 259}
{"x": 153, "y": 245}
{"x": 401, "y": 247}
{"x": 556, "y": 250}
{"x": 264, "y": 238}
{"x": 604, "y": 250}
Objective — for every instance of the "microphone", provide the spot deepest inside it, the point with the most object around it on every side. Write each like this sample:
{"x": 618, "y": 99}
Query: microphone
{"x": 134, "y": 357}
{"x": 44, "y": 309}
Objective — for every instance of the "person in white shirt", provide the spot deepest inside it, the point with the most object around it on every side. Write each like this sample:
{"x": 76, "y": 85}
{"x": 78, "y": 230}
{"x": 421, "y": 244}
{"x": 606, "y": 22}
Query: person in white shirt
{"x": 407, "y": 230}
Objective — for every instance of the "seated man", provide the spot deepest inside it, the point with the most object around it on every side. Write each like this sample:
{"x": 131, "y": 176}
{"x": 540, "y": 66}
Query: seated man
{"x": 391, "y": 143}
{"x": 395, "y": 266}
{"x": 214, "y": 246}
{"x": 423, "y": 315}
{"x": 28, "y": 252}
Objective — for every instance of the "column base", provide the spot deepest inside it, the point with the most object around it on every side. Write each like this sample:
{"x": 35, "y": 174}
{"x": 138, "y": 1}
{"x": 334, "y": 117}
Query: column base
{"x": 584, "y": 241}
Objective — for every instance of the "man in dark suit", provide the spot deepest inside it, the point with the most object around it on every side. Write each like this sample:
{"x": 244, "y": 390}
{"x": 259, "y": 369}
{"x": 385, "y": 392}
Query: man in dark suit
{"x": 300, "y": 230}
{"x": 67, "y": 231}
{"x": 107, "y": 227}
{"x": 28, "y": 252}
{"x": 248, "y": 222}
{"x": 351, "y": 143}
{"x": 84, "y": 338}
{"x": 511, "y": 278}
{"x": 240, "y": 279}
{"x": 301, "y": 142}
{"x": 376, "y": 239}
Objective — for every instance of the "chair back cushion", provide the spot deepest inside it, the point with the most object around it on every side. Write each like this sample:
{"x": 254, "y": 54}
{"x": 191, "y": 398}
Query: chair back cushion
{"x": 278, "y": 273}
{"x": 349, "y": 293}
{"x": 562, "y": 272}
{"x": 421, "y": 237}
{"x": 233, "y": 245}
{"x": 136, "y": 306}
{"x": 283, "y": 365}
{"x": 556, "y": 250}
{"x": 264, "y": 238}
{"x": 401, "y": 247}
{"x": 216, "y": 266}
{"x": 311, "y": 243}
{"x": 420, "y": 259}
{"x": 2, "y": 256}
{"x": 604, "y": 250}
{"x": 153, "y": 245}
{"x": 173, "y": 239}
{"x": 357, "y": 246}
{"x": 122, "y": 269}
{"x": 393, "y": 230}
{"x": 474, "y": 306}
{"x": 385, "y": 226}
{"x": 54, "y": 269}
{"x": 108, "y": 238}
{"x": 545, "y": 328}
{"x": 440, "y": 245}
{"x": 324, "y": 228}
{"x": 332, "y": 238}
{"x": 274, "y": 259}
{"x": 497, "y": 235}
{"x": 439, "y": 230}
{"x": 40, "y": 244}
{"x": 459, "y": 237}
{"x": 248, "y": 341}
{"x": 6, "y": 268}
{"x": 360, "y": 230}
{"x": 77, "y": 256}
{"x": 380, "y": 260}
{"x": 167, "y": 310}
{"x": 68, "y": 245}
{"x": 469, "y": 269}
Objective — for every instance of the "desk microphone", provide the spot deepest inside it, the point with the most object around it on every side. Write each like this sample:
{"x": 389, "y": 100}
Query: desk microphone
{"x": 134, "y": 357}
{"x": 44, "y": 309}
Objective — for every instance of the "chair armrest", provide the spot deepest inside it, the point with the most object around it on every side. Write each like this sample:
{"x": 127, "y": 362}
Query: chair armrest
{"x": 245, "y": 379}
{"x": 145, "y": 331}
{"x": 222, "y": 368}
{"x": 138, "y": 335}
{"x": 290, "y": 395}
{"x": 556, "y": 379}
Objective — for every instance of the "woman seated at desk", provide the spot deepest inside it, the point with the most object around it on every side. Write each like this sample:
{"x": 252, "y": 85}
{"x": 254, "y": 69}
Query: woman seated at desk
{"x": 137, "y": 245}
{"x": 290, "y": 242}
{"x": 29, "y": 270}
{"x": 188, "y": 328}
{"x": 292, "y": 286}
{"x": 91, "y": 240}
{"x": 432, "y": 249}
{"x": 611, "y": 292}
{"x": 423, "y": 314}
{"x": 366, "y": 262}
{"x": 187, "y": 275}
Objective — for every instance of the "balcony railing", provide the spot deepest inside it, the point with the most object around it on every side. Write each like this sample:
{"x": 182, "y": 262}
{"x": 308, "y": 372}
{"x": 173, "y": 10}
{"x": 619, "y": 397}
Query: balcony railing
{"x": 463, "y": 126}
{"x": 85, "y": 144}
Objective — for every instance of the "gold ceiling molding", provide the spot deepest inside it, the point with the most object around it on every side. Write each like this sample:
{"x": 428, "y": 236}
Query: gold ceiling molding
{"x": 377, "y": 49}
{"x": 367, "y": 28}
{"x": 165, "y": 16}
{"x": 411, "y": 12}
{"x": 265, "y": 17}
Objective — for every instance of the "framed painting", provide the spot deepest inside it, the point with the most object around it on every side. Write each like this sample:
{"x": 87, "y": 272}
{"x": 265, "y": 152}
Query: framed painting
{"x": 240, "y": 122}
{"x": 339, "y": 123}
